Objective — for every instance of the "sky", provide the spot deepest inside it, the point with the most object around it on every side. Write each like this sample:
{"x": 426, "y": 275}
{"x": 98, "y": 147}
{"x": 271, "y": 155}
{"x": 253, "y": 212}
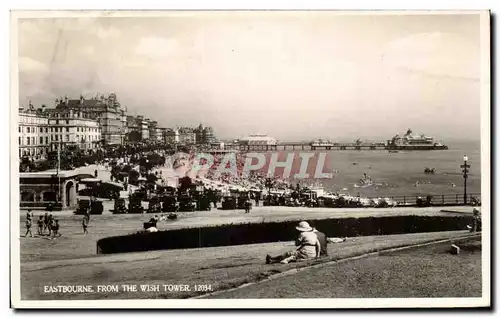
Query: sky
{"x": 291, "y": 75}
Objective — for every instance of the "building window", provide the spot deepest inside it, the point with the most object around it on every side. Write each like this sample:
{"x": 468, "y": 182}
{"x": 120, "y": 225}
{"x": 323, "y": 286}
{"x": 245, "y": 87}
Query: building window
{"x": 67, "y": 122}
{"x": 28, "y": 130}
{"x": 27, "y": 196}
{"x": 19, "y": 128}
{"x": 67, "y": 129}
{"x": 33, "y": 140}
{"x": 57, "y": 121}
{"x": 46, "y": 130}
{"x": 20, "y": 140}
{"x": 41, "y": 140}
{"x": 77, "y": 129}
{"x": 28, "y": 141}
{"x": 49, "y": 196}
{"x": 47, "y": 140}
{"x": 57, "y": 137}
{"x": 67, "y": 137}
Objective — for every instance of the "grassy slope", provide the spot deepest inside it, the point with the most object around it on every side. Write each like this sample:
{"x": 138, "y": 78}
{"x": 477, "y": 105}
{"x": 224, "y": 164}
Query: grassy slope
{"x": 222, "y": 267}
{"x": 422, "y": 272}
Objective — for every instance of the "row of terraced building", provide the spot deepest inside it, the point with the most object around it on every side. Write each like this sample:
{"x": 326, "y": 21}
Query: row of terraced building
{"x": 94, "y": 122}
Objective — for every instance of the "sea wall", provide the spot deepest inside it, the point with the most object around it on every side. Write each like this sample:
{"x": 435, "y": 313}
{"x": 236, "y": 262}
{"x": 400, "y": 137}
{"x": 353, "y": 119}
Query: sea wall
{"x": 252, "y": 233}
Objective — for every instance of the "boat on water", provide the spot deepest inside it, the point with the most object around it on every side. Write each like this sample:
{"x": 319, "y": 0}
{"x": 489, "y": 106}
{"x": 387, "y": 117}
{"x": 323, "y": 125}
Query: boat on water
{"x": 412, "y": 141}
{"x": 365, "y": 181}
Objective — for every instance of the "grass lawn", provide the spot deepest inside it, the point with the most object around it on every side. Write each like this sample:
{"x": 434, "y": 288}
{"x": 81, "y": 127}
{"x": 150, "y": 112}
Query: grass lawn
{"x": 421, "y": 272}
{"x": 73, "y": 243}
{"x": 220, "y": 267}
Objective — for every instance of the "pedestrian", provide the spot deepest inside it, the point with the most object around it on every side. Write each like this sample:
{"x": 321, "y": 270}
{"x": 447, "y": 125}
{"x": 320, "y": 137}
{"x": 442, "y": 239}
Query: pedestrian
{"x": 28, "y": 227}
{"x": 257, "y": 198}
{"x": 248, "y": 206}
{"x": 29, "y": 215}
{"x": 50, "y": 223}
{"x": 40, "y": 225}
{"x": 85, "y": 224}
{"x": 55, "y": 228}
{"x": 87, "y": 213}
{"x": 476, "y": 221}
{"x": 308, "y": 247}
{"x": 45, "y": 221}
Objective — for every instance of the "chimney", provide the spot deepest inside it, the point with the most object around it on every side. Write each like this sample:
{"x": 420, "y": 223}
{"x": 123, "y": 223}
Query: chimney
{"x": 81, "y": 99}
{"x": 66, "y": 100}
{"x": 43, "y": 108}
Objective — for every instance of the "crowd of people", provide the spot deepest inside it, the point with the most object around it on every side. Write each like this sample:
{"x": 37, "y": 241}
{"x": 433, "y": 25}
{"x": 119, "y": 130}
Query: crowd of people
{"x": 47, "y": 225}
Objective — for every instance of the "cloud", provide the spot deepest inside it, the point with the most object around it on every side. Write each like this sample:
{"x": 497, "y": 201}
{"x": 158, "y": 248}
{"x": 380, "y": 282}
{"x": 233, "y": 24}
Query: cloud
{"x": 29, "y": 65}
{"x": 156, "y": 47}
{"x": 435, "y": 54}
{"x": 89, "y": 50}
{"x": 218, "y": 71}
{"x": 106, "y": 33}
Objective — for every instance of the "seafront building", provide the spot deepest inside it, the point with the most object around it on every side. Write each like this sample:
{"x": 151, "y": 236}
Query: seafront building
{"x": 187, "y": 136}
{"x": 258, "y": 140}
{"x": 155, "y": 132}
{"x": 93, "y": 122}
{"x": 106, "y": 110}
{"x": 33, "y": 132}
{"x": 70, "y": 128}
{"x": 204, "y": 135}
{"x": 171, "y": 136}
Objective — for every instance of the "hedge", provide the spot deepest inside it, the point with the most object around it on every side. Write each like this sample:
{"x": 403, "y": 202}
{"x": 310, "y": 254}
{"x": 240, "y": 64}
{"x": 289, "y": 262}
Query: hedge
{"x": 252, "y": 233}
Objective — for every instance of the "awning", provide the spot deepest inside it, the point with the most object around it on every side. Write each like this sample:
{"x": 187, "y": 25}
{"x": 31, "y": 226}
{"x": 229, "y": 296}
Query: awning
{"x": 90, "y": 180}
{"x": 114, "y": 184}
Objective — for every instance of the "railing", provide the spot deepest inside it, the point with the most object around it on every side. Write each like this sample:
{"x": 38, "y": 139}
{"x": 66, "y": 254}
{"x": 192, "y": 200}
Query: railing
{"x": 437, "y": 200}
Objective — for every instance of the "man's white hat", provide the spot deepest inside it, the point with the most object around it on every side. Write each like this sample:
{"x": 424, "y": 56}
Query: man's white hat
{"x": 304, "y": 227}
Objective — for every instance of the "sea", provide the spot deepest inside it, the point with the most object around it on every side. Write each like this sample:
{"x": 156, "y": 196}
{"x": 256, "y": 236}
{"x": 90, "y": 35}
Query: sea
{"x": 392, "y": 174}
{"x": 403, "y": 173}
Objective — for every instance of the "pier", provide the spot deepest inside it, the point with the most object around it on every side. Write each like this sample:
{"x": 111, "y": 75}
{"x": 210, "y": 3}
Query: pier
{"x": 297, "y": 145}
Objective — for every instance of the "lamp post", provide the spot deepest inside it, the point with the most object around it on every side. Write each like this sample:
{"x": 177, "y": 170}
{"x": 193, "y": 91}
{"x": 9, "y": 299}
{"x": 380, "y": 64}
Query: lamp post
{"x": 465, "y": 170}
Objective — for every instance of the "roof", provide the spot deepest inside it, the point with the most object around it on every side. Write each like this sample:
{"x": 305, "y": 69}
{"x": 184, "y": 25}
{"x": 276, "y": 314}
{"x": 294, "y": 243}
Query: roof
{"x": 51, "y": 173}
{"x": 258, "y": 139}
{"x": 86, "y": 102}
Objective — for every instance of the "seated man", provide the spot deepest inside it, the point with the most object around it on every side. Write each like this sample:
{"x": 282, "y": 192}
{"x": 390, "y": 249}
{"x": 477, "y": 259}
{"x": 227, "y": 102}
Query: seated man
{"x": 323, "y": 242}
{"x": 308, "y": 247}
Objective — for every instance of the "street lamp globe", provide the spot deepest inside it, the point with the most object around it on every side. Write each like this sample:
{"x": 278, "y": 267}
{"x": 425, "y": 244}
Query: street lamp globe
{"x": 466, "y": 158}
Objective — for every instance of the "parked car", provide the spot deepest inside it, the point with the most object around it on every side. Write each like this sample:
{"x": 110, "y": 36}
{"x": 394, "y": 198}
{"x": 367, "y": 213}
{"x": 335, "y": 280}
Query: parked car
{"x": 119, "y": 207}
{"x": 95, "y": 207}
{"x": 229, "y": 203}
